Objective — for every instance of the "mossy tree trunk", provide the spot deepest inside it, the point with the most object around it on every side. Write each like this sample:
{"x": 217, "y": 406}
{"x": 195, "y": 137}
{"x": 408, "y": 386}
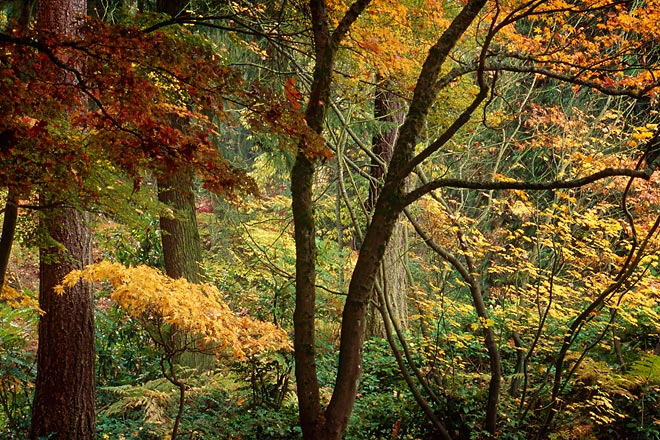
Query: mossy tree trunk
{"x": 313, "y": 423}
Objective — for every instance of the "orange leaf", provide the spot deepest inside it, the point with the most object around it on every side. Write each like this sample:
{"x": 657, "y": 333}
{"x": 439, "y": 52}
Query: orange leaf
{"x": 292, "y": 94}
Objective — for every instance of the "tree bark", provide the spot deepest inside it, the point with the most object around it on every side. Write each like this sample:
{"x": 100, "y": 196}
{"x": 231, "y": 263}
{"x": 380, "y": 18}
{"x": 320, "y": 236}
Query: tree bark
{"x": 182, "y": 249}
{"x": 302, "y": 176}
{"x": 393, "y": 278}
{"x": 64, "y": 392}
{"x": 8, "y": 231}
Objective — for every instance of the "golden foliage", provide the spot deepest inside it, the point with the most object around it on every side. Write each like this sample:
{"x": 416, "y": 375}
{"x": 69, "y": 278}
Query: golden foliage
{"x": 391, "y": 37}
{"x": 18, "y": 300}
{"x": 599, "y": 40}
{"x": 194, "y": 308}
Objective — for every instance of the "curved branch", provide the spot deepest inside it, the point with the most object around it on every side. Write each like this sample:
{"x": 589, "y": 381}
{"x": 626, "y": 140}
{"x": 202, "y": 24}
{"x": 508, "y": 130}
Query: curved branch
{"x": 347, "y": 21}
{"x": 467, "y": 273}
{"x": 421, "y": 401}
{"x": 417, "y": 193}
{"x": 572, "y": 79}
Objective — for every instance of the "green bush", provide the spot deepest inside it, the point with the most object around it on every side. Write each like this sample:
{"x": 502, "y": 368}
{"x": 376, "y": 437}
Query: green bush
{"x": 17, "y": 370}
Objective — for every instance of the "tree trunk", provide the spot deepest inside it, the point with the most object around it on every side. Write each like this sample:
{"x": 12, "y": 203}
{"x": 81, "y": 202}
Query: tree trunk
{"x": 182, "y": 249}
{"x": 64, "y": 392}
{"x": 360, "y": 292}
{"x": 393, "y": 277}
{"x": 8, "y": 231}
{"x": 302, "y": 176}
{"x": 302, "y": 181}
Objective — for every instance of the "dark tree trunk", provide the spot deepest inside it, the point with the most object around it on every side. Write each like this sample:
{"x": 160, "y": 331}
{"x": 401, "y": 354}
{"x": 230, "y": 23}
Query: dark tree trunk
{"x": 8, "y": 231}
{"x": 312, "y": 421}
{"x": 64, "y": 392}
{"x": 354, "y": 315}
{"x": 302, "y": 177}
{"x": 302, "y": 181}
{"x": 389, "y": 110}
{"x": 182, "y": 250}
{"x": 26, "y": 13}
{"x": 393, "y": 279}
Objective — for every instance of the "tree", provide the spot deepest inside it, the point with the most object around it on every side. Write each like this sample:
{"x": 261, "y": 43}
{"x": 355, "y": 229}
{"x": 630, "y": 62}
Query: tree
{"x": 393, "y": 278}
{"x": 67, "y": 126}
{"x": 163, "y": 304}
{"x": 64, "y": 392}
{"x": 182, "y": 251}
{"x": 394, "y": 196}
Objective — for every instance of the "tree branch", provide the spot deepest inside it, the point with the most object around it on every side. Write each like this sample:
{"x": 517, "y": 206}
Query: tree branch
{"x": 347, "y": 21}
{"x": 417, "y": 193}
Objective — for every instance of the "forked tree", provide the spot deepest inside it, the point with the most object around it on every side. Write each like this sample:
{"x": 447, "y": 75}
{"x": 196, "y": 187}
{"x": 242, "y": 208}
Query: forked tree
{"x": 491, "y": 22}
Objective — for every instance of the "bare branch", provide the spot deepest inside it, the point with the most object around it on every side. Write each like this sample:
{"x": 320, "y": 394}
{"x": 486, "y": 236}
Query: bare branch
{"x": 530, "y": 186}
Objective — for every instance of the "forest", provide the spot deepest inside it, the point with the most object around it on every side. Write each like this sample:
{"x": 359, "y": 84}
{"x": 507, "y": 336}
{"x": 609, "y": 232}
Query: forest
{"x": 329, "y": 219}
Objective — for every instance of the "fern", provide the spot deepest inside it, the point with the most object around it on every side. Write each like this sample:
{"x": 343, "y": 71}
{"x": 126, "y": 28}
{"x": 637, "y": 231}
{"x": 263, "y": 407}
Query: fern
{"x": 152, "y": 400}
{"x": 648, "y": 367}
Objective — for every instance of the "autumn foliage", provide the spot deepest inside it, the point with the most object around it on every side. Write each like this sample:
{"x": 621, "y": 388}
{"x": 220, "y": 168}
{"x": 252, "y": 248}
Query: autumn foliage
{"x": 520, "y": 176}
{"x": 197, "y": 309}
{"x": 187, "y": 97}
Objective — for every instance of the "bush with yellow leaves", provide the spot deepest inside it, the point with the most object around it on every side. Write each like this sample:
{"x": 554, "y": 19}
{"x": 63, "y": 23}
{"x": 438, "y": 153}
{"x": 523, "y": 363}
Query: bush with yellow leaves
{"x": 193, "y": 308}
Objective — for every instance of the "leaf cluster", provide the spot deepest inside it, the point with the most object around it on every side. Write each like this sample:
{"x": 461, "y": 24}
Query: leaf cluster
{"x": 196, "y": 309}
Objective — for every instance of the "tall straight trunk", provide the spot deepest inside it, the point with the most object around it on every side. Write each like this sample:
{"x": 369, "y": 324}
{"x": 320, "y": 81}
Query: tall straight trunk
{"x": 302, "y": 176}
{"x": 64, "y": 392}
{"x": 389, "y": 109}
{"x": 182, "y": 252}
{"x": 302, "y": 181}
{"x": 182, "y": 249}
